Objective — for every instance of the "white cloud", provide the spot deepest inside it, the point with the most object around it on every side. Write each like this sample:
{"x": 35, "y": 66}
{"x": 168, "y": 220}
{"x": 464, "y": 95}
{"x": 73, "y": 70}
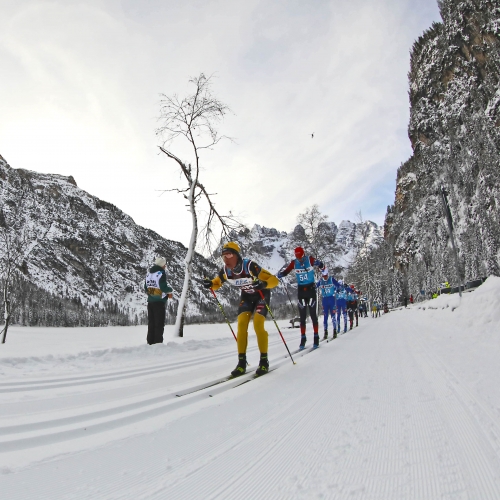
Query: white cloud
{"x": 81, "y": 83}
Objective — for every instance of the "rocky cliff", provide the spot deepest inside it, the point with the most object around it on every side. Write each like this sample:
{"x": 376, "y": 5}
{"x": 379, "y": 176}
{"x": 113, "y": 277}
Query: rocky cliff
{"x": 455, "y": 135}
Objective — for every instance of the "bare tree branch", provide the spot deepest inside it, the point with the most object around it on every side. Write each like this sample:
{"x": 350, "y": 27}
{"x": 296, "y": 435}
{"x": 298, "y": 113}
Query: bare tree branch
{"x": 195, "y": 118}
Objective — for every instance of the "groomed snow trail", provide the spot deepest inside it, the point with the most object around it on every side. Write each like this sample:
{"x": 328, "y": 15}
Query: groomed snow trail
{"x": 383, "y": 412}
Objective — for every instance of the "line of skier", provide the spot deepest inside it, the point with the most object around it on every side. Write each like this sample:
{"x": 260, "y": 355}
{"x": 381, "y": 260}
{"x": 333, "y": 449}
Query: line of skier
{"x": 255, "y": 283}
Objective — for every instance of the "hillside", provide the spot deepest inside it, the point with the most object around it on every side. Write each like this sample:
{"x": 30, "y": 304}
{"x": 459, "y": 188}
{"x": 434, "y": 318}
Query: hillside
{"x": 84, "y": 259}
{"x": 454, "y": 130}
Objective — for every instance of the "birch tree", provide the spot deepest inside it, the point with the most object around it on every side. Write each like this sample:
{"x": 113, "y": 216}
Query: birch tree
{"x": 192, "y": 120}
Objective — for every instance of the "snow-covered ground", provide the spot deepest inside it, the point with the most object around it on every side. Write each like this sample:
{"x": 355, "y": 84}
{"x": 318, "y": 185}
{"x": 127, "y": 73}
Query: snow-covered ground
{"x": 406, "y": 406}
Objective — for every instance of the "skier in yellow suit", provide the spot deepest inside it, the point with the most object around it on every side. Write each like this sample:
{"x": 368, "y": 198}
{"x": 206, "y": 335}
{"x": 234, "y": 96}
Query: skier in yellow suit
{"x": 251, "y": 279}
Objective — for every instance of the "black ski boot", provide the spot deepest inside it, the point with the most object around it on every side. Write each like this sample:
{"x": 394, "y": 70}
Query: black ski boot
{"x": 316, "y": 341}
{"x": 303, "y": 340}
{"x": 326, "y": 335}
{"x": 334, "y": 334}
{"x": 263, "y": 365}
{"x": 241, "y": 367}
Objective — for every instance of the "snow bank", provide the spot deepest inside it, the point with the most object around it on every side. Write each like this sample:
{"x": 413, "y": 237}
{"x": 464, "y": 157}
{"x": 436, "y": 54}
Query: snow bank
{"x": 479, "y": 308}
{"x": 34, "y": 350}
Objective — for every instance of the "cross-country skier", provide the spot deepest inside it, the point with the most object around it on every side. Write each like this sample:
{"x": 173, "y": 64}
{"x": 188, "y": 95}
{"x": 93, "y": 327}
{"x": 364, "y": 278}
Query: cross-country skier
{"x": 341, "y": 299}
{"x": 303, "y": 265}
{"x": 327, "y": 285}
{"x": 352, "y": 305}
{"x": 250, "y": 278}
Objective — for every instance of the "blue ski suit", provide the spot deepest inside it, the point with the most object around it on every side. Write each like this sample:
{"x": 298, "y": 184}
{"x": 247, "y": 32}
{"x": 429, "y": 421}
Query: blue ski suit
{"x": 327, "y": 289}
{"x": 306, "y": 290}
{"x": 341, "y": 296}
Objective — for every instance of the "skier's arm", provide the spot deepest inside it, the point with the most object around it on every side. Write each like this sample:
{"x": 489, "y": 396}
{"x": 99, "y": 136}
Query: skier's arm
{"x": 217, "y": 282}
{"x": 335, "y": 282}
{"x": 263, "y": 275}
{"x": 316, "y": 262}
{"x": 285, "y": 271}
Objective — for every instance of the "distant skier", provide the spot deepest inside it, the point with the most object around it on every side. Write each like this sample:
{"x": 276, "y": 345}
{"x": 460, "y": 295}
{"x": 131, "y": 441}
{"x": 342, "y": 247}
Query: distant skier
{"x": 411, "y": 298}
{"x": 341, "y": 299}
{"x": 405, "y": 300}
{"x": 352, "y": 305}
{"x": 303, "y": 265}
{"x": 250, "y": 278}
{"x": 159, "y": 292}
{"x": 327, "y": 285}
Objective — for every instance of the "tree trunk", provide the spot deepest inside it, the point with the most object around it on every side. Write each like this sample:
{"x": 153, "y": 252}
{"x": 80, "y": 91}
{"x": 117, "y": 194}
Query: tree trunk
{"x": 6, "y": 305}
{"x": 181, "y": 308}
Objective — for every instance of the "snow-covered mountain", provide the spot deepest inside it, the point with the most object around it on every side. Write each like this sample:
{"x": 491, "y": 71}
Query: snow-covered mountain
{"x": 273, "y": 248}
{"x": 84, "y": 256}
{"x": 84, "y": 260}
{"x": 454, "y": 130}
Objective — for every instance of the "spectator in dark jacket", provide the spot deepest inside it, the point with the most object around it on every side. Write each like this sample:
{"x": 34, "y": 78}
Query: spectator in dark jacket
{"x": 159, "y": 292}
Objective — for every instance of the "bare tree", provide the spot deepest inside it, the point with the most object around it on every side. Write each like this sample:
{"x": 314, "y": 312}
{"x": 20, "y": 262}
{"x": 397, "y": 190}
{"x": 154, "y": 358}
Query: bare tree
{"x": 364, "y": 268}
{"x": 194, "y": 119}
{"x": 317, "y": 236}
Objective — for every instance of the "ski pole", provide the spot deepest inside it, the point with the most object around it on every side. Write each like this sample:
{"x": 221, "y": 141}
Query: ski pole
{"x": 223, "y": 313}
{"x": 268, "y": 308}
{"x": 225, "y": 317}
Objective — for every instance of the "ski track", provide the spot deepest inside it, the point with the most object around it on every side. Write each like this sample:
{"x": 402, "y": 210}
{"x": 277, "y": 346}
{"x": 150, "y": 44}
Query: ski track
{"x": 387, "y": 419}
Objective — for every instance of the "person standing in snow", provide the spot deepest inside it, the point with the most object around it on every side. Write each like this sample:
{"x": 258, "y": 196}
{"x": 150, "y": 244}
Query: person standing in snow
{"x": 405, "y": 300}
{"x": 411, "y": 299}
{"x": 326, "y": 286}
{"x": 251, "y": 279}
{"x": 159, "y": 292}
{"x": 303, "y": 265}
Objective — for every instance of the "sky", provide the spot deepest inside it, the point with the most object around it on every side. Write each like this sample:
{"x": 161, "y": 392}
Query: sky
{"x": 81, "y": 84}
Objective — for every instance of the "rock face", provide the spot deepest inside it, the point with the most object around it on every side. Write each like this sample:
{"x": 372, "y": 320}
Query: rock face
{"x": 85, "y": 253}
{"x": 455, "y": 136}
{"x": 273, "y": 248}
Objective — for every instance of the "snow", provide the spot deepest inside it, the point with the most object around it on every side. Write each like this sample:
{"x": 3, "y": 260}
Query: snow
{"x": 406, "y": 406}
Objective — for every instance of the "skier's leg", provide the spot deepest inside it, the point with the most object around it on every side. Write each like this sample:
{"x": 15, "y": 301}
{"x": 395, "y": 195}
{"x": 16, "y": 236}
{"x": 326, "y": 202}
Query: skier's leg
{"x": 242, "y": 334}
{"x": 262, "y": 341}
{"x": 326, "y": 310}
{"x": 302, "y": 314}
{"x": 344, "y": 312}
{"x": 244, "y": 314}
{"x": 314, "y": 319}
{"x": 334, "y": 315}
{"x": 351, "y": 318}
{"x": 260, "y": 332}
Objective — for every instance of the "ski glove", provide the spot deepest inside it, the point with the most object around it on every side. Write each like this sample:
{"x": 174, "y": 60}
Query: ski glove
{"x": 280, "y": 275}
{"x": 207, "y": 283}
{"x": 259, "y": 285}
